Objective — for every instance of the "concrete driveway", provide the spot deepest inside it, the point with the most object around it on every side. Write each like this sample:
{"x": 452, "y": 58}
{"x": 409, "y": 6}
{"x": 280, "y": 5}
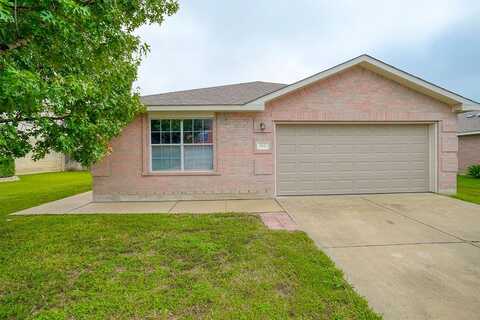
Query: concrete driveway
{"x": 413, "y": 256}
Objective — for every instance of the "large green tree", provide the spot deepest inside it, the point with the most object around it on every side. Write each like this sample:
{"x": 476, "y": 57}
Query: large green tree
{"x": 66, "y": 73}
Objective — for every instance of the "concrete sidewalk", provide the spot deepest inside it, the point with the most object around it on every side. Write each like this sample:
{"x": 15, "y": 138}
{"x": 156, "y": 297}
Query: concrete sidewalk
{"x": 83, "y": 204}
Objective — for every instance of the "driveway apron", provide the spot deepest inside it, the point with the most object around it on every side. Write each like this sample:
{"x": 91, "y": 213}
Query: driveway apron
{"x": 413, "y": 256}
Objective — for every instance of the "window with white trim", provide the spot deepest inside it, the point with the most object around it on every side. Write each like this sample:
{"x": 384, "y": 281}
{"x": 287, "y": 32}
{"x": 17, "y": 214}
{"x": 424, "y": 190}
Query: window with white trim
{"x": 181, "y": 144}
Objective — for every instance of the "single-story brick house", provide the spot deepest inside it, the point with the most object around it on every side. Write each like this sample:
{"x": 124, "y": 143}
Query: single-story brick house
{"x": 468, "y": 140}
{"x": 360, "y": 127}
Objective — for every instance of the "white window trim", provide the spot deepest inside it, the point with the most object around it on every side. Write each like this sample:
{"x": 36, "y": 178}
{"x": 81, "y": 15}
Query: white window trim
{"x": 181, "y": 144}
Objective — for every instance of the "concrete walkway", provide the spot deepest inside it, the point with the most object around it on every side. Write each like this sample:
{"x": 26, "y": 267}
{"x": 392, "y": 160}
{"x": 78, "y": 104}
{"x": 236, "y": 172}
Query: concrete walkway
{"x": 82, "y": 204}
{"x": 413, "y": 256}
{"x": 278, "y": 221}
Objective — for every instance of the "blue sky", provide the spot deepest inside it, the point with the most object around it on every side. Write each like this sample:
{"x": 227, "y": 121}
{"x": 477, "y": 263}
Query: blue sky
{"x": 210, "y": 43}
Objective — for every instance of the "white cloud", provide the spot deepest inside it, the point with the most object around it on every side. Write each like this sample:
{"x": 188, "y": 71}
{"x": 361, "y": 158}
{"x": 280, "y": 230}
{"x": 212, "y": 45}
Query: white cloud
{"x": 177, "y": 49}
{"x": 213, "y": 43}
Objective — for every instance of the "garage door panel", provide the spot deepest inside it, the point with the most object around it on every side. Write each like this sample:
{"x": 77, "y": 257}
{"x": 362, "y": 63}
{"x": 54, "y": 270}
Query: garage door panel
{"x": 286, "y": 149}
{"x": 332, "y": 157}
{"x": 324, "y": 149}
{"x": 363, "y": 148}
{"x": 305, "y": 167}
{"x": 344, "y": 166}
{"x": 405, "y": 148}
{"x": 305, "y": 148}
{"x": 340, "y": 159}
{"x": 383, "y": 166}
{"x": 381, "y": 186}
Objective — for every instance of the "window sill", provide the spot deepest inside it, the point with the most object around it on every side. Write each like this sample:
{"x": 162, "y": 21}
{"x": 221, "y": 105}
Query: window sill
{"x": 181, "y": 173}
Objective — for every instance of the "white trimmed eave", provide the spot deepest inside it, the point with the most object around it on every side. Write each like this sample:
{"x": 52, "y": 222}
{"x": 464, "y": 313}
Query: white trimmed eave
{"x": 458, "y": 103}
{"x": 468, "y": 133}
{"x": 215, "y": 108}
{"x": 467, "y": 108}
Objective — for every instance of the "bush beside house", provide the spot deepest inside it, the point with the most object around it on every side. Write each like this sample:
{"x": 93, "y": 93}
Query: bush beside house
{"x": 7, "y": 167}
{"x": 474, "y": 171}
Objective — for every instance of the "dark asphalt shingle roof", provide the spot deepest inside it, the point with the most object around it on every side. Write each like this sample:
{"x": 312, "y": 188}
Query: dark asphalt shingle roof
{"x": 233, "y": 94}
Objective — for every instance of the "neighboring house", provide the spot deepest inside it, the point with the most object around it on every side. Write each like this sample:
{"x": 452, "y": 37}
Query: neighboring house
{"x": 360, "y": 127}
{"x": 468, "y": 140}
{"x": 52, "y": 162}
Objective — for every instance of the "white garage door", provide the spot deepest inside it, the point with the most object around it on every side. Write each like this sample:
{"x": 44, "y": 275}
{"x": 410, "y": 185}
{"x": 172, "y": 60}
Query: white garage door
{"x": 352, "y": 159}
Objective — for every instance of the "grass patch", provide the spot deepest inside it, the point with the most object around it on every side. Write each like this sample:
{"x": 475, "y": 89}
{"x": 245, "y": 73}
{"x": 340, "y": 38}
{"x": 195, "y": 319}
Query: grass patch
{"x": 158, "y": 266}
{"x": 35, "y": 189}
{"x": 468, "y": 189}
{"x": 167, "y": 267}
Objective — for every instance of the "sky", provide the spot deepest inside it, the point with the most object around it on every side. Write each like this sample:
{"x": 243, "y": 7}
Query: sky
{"x": 209, "y": 43}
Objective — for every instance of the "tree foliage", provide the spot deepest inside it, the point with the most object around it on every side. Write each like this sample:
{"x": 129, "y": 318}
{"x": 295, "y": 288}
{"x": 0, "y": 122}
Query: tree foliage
{"x": 66, "y": 73}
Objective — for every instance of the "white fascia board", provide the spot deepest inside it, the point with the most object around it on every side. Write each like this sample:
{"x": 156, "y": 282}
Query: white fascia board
{"x": 468, "y": 133}
{"x": 216, "y": 108}
{"x": 383, "y": 69}
{"x": 417, "y": 83}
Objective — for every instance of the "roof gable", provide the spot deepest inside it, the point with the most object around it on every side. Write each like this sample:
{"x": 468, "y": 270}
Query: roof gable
{"x": 406, "y": 79}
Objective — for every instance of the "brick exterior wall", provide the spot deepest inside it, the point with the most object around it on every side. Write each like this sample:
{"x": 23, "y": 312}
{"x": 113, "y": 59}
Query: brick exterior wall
{"x": 468, "y": 151}
{"x": 243, "y": 172}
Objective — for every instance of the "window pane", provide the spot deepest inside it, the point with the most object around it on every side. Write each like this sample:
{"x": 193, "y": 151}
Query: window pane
{"x": 197, "y": 137}
{"x": 198, "y": 157}
{"x": 207, "y": 124}
{"x": 166, "y": 158}
{"x": 207, "y": 137}
{"x": 165, "y": 125}
{"x": 187, "y": 137}
{"x": 155, "y": 124}
{"x": 155, "y": 137}
{"x": 197, "y": 124}
{"x": 202, "y": 137}
{"x": 175, "y": 137}
{"x": 187, "y": 125}
{"x": 165, "y": 138}
{"x": 176, "y": 125}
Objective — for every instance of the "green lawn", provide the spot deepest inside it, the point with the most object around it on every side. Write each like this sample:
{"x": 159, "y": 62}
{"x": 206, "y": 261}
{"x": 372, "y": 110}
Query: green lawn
{"x": 468, "y": 189}
{"x": 158, "y": 266}
{"x": 35, "y": 189}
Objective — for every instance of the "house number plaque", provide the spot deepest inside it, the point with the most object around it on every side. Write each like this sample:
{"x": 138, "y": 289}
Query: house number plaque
{"x": 262, "y": 146}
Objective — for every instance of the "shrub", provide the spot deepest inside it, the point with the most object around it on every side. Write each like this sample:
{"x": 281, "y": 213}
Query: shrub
{"x": 474, "y": 171}
{"x": 7, "y": 167}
